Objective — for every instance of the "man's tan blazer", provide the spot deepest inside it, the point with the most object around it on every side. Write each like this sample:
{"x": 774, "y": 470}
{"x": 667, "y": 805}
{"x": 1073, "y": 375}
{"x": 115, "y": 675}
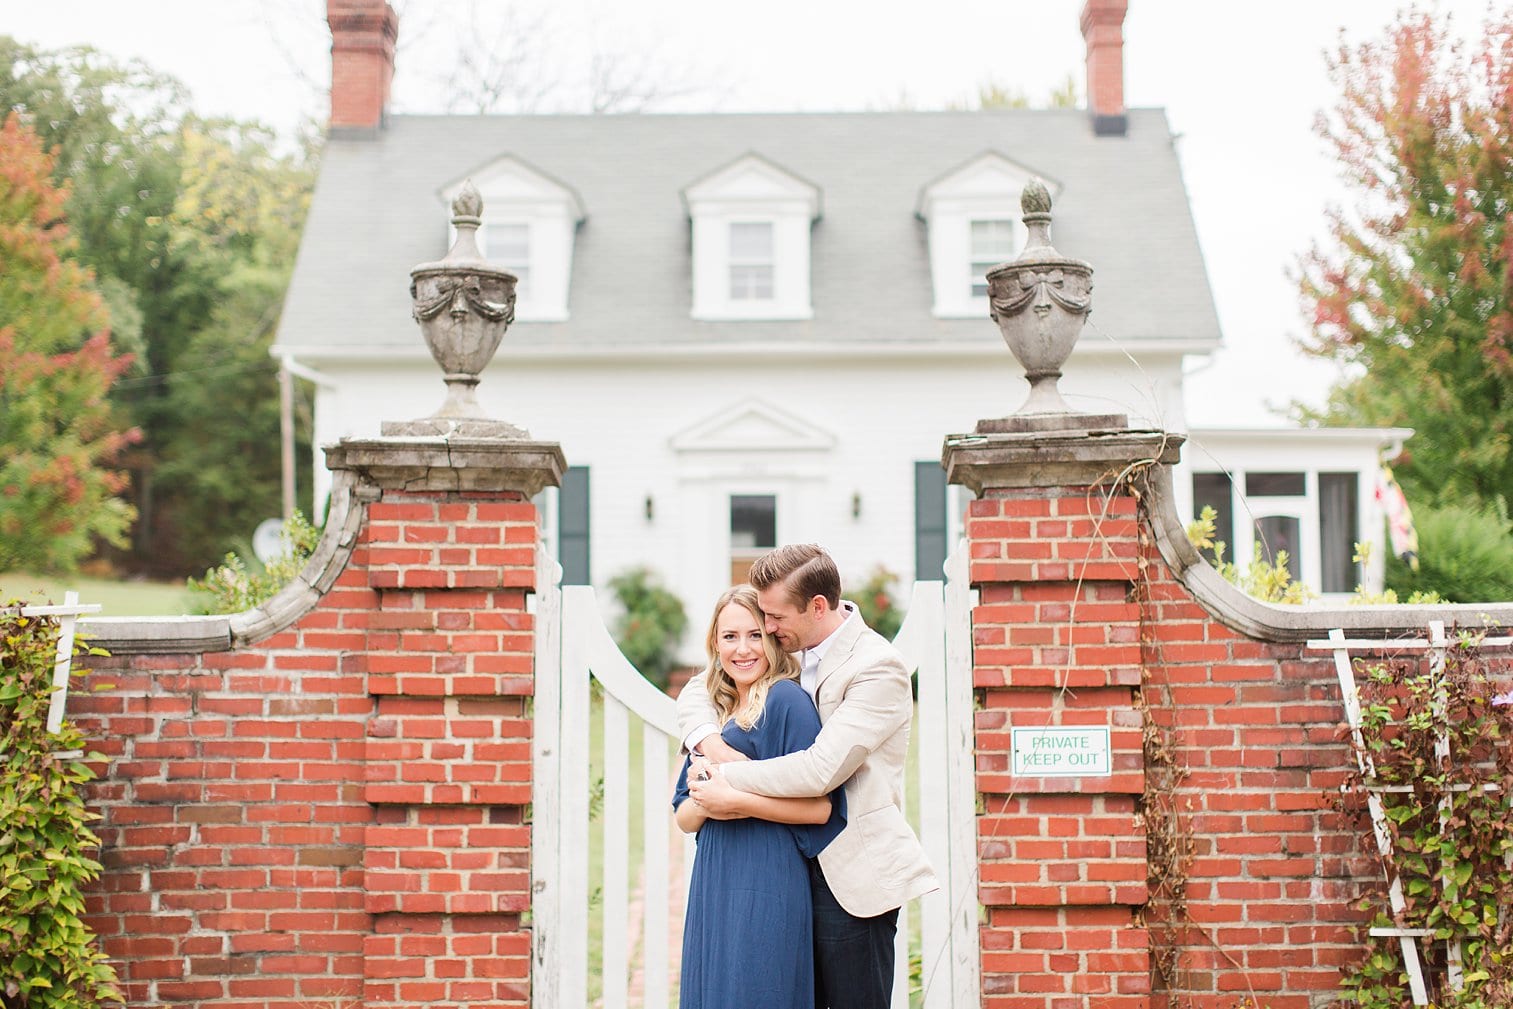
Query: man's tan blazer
{"x": 865, "y": 704}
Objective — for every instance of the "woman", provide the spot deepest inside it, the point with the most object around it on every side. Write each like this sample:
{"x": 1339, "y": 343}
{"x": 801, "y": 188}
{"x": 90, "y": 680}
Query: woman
{"x": 748, "y": 935}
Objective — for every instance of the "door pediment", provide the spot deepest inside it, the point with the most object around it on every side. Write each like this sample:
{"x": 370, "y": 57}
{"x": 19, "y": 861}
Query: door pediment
{"x": 753, "y": 425}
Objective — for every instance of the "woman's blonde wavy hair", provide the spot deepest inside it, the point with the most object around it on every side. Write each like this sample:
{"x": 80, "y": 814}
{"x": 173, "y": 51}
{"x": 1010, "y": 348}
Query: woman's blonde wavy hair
{"x": 722, "y": 692}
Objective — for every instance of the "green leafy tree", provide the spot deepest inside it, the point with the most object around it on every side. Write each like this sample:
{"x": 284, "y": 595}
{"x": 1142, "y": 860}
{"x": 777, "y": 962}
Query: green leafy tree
{"x": 115, "y": 130}
{"x": 191, "y": 227}
{"x": 242, "y": 203}
{"x": 58, "y": 435}
{"x": 1412, "y": 288}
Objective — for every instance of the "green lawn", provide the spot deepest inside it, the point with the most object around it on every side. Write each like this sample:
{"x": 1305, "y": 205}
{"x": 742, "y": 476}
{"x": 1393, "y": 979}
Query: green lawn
{"x": 116, "y": 598}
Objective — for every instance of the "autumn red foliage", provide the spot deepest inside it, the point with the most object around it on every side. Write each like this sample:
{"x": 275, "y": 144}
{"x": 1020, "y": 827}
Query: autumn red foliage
{"x": 58, "y": 438}
{"x": 1413, "y": 284}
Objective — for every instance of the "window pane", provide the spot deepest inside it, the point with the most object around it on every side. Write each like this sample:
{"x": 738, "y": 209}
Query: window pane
{"x": 1274, "y": 484}
{"x": 1276, "y": 533}
{"x": 1213, "y": 490}
{"x": 992, "y": 240}
{"x": 750, "y": 283}
{"x": 1338, "y": 530}
{"x": 751, "y": 242}
{"x": 507, "y": 243}
{"x": 509, "y": 246}
{"x": 980, "y": 278}
{"x": 992, "y": 244}
{"x": 753, "y": 521}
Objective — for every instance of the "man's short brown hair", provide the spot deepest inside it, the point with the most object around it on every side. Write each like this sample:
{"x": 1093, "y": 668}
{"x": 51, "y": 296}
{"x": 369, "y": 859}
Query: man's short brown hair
{"x": 805, "y": 570}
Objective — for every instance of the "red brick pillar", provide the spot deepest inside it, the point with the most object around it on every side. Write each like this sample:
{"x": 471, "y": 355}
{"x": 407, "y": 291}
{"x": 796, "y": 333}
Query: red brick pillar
{"x": 449, "y": 549}
{"x": 1053, "y": 544}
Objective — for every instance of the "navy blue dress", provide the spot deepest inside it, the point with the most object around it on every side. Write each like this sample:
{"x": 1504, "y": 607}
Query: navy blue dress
{"x": 748, "y": 937}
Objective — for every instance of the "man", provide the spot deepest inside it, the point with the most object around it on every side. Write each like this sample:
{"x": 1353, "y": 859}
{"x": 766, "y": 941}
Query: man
{"x": 861, "y": 687}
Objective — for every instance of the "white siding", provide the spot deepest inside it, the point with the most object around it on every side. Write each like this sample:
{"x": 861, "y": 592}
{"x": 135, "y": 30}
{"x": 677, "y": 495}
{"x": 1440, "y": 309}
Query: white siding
{"x": 618, "y": 417}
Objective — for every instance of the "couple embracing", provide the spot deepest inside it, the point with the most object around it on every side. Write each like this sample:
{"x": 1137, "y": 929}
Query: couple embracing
{"x": 797, "y": 732}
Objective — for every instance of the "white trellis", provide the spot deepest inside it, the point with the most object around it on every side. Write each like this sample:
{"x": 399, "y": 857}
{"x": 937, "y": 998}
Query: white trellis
{"x": 68, "y": 615}
{"x": 1435, "y": 646}
{"x": 574, "y": 647}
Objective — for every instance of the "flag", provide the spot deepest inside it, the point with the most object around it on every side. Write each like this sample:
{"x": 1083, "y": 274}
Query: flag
{"x": 1399, "y": 517}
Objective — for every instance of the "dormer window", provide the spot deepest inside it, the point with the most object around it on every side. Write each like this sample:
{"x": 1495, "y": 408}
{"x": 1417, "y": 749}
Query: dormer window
{"x": 530, "y": 222}
{"x": 972, "y": 214}
{"x": 751, "y": 221}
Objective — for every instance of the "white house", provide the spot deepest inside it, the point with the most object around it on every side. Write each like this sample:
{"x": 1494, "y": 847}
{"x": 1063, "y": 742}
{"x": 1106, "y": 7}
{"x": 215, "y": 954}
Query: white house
{"x": 753, "y": 329}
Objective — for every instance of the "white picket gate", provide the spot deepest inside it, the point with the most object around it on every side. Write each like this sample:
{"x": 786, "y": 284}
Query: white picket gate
{"x": 639, "y": 902}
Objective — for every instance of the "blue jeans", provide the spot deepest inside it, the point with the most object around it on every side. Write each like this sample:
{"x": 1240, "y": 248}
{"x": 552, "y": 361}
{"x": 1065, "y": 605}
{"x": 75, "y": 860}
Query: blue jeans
{"x": 853, "y": 957}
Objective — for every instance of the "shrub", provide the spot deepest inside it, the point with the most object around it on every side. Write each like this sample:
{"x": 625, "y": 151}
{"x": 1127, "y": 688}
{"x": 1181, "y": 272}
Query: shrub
{"x": 1271, "y": 583}
{"x": 236, "y": 586}
{"x": 874, "y": 598}
{"x": 49, "y": 958}
{"x": 650, "y": 625}
{"x": 1464, "y": 555}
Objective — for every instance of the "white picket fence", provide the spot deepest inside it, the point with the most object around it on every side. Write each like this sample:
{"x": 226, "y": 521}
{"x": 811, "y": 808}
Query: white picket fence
{"x": 637, "y": 902}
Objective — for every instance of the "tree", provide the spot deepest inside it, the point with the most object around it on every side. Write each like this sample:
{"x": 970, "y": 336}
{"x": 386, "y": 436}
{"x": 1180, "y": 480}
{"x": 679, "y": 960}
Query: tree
{"x": 114, "y": 128}
{"x": 1411, "y": 291}
{"x": 524, "y": 58}
{"x": 59, "y": 439}
{"x": 191, "y": 226}
{"x": 241, "y": 204}
{"x": 994, "y": 94}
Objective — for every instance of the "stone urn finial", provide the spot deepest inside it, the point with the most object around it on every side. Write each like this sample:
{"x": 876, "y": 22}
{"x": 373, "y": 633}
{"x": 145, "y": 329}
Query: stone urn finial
{"x": 1040, "y": 300}
{"x": 463, "y": 305}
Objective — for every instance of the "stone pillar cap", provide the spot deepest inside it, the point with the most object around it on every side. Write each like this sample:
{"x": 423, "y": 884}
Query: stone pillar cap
{"x": 1060, "y": 458}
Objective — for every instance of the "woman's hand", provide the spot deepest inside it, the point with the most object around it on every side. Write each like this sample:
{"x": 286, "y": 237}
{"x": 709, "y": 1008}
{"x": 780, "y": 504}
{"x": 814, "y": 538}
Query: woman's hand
{"x": 708, "y": 787}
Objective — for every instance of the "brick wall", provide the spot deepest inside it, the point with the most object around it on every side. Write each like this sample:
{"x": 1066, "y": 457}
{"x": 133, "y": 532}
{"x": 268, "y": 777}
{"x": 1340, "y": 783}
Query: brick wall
{"x": 1056, "y": 643}
{"x": 1210, "y": 869}
{"x": 1275, "y": 873}
{"x": 330, "y": 805}
{"x": 336, "y": 811}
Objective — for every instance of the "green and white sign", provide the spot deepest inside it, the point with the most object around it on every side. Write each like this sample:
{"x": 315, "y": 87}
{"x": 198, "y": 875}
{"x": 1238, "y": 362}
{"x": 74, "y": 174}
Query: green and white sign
{"x": 1061, "y": 752}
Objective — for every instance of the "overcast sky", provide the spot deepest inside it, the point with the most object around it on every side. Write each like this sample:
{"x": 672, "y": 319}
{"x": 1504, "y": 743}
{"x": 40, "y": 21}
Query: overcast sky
{"x": 1241, "y": 84}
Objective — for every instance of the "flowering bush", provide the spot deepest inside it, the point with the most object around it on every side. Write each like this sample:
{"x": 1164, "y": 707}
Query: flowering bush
{"x": 874, "y": 598}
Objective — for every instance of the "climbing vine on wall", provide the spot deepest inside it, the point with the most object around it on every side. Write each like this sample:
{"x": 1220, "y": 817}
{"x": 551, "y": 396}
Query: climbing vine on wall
{"x": 49, "y": 958}
{"x": 1441, "y": 742}
{"x": 1171, "y": 846}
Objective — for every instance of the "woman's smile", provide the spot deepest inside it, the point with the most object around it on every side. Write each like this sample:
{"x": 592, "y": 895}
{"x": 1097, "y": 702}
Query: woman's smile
{"x": 738, "y": 643}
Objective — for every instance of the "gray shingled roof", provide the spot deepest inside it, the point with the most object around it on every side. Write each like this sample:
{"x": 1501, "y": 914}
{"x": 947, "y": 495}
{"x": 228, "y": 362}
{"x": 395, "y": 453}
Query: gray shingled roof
{"x": 376, "y": 213}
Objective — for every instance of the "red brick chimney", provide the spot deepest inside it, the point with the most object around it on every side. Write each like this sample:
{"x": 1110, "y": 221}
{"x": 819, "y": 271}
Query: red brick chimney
{"x": 363, "y": 33}
{"x": 1103, "y": 30}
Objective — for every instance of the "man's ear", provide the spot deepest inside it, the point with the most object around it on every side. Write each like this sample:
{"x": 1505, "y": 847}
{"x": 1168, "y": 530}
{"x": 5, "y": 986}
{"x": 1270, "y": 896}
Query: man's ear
{"x": 818, "y": 607}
